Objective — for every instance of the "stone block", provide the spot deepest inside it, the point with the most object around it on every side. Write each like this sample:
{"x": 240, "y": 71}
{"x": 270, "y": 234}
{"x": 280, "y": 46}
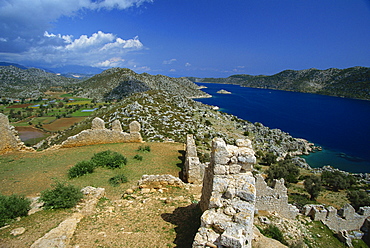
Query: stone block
{"x": 134, "y": 127}
{"x": 116, "y": 126}
{"x": 97, "y": 124}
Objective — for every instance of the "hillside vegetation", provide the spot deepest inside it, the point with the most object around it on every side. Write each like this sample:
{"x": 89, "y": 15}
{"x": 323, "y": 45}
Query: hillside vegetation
{"x": 351, "y": 82}
{"x": 30, "y": 83}
{"x": 118, "y": 83}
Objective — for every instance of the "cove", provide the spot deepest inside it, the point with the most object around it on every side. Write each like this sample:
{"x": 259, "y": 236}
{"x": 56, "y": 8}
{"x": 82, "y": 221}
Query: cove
{"x": 340, "y": 125}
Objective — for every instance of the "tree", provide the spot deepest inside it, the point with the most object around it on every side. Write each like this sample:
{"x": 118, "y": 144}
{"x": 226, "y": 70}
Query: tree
{"x": 358, "y": 198}
{"x": 269, "y": 158}
{"x": 337, "y": 180}
{"x": 313, "y": 186}
{"x": 284, "y": 169}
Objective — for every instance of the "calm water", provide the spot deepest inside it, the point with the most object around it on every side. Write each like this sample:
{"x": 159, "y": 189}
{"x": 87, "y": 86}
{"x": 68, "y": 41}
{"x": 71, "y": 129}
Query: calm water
{"x": 341, "y": 126}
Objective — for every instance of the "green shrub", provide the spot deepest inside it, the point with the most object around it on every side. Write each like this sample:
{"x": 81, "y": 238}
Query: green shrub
{"x": 12, "y": 207}
{"x": 117, "y": 180}
{"x": 358, "y": 198}
{"x": 138, "y": 157}
{"x": 144, "y": 148}
{"x": 81, "y": 168}
{"x": 109, "y": 159}
{"x": 274, "y": 232}
{"x": 61, "y": 196}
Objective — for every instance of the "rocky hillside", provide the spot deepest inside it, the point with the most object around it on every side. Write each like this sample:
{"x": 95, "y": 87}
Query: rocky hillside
{"x": 351, "y": 82}
{"x": 117, "y": 83}
{"x": 25, "y": 83}
{"x": 166, "y": 117}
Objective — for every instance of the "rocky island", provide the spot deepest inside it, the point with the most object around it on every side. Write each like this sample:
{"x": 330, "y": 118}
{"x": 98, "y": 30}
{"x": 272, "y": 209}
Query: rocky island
{"x": 223, "y": 92}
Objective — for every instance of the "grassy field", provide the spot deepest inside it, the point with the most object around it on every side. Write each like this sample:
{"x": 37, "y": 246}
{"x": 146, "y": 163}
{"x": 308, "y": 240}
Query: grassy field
{"x": 143, "y": 221}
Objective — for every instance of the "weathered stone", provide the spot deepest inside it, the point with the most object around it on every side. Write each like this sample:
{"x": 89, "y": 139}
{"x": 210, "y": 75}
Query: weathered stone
{"x": 97, "y": 123}
{"x": 243, "y": 143}
{"x": 18, "y": 231}
{"x": 9, "y": 139}
{"x": 227, "y": 200}
{"x": 98, "y": 134}
{"x": 116, "y": 126}
{"x": 134, "y": 127}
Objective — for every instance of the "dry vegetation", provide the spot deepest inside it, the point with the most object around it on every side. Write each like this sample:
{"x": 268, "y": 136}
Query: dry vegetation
{"x": 166, "y": 219}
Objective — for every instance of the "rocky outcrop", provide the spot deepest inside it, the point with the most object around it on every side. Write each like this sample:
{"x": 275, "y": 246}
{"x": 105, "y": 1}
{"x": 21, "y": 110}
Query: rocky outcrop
{"x": 228, "y": 197}
{"x": 98, "y": 134}
{"x": 274, "y": 199}
{"x": 9, "y": 139}
{"x": 193, "y": 168}
{"x": 61, "y": 236}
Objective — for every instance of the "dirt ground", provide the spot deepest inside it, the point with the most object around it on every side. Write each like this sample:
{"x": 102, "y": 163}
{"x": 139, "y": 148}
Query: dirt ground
{"x": 62, "y": 123}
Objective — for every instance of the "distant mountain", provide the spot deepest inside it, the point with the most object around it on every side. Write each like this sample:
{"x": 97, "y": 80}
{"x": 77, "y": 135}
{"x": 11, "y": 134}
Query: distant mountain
{"x": 13, "y": 64}
{"x": 25, "y": 83}
{"x": 76, "y": 69}
{"x": 117, "y": 83}
{"x": 351, "y": 82}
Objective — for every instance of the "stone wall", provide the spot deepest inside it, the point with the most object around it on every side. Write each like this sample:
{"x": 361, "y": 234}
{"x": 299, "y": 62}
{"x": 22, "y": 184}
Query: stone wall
{"x": 228, "y": 197}
{"x": 193, "y": 168}
{"x": 9, "y": 139}
{"x": 274, "y": 199}
{"x": 344, "y": 219}
{"x": 98, "y": 134}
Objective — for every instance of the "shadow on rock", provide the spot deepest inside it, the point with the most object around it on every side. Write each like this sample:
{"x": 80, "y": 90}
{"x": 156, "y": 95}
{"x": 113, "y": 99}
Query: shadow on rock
{"x": 187, "y": 220}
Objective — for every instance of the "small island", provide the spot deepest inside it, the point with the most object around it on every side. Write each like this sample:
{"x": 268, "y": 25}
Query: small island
{"x": 223, "y": 92}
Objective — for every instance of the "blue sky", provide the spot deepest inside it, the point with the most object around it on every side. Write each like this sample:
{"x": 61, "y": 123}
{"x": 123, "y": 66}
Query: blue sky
{"x": 187, "y": 37}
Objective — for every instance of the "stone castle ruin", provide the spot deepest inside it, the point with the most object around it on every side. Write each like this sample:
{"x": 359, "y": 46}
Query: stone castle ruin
{"x": 9, "y": 139}
{"x": 274, "y": 199}
{"x": 98, "y": 134}
{"x": 228, "y": 197}
{"x": 193, "y": 168}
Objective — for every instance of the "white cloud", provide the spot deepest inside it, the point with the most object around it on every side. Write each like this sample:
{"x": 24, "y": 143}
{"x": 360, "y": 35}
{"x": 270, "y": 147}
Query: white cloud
{"x": 100, "y": 50}
{"x": 23, "y": 22}
{"x": 187, "y": 64}
{"x": 169, "y": 62}
{"x": 172, "y": 70}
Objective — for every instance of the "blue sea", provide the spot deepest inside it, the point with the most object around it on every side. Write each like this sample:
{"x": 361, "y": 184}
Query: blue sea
{"x": 340, "y": 126}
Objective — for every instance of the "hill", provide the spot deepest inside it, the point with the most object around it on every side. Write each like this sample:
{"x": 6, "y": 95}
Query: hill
{"x": 29, "y": 83}
{"x": 117, "y": 83}
{"x": 351, "y": 82}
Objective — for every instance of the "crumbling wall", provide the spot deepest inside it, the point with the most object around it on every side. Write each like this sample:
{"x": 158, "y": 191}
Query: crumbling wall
{"x": 9, "y": 139}
{"x": 228, "y": 197}
{"x": 344, "y": 219}
{"x": 274, "y": 199}
{"x": 98, "y": 134}
{"x": 193, "y": 168}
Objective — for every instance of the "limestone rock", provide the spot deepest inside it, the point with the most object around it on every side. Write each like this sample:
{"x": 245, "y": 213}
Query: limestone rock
{"x": 116, "y": 126}
{"x": 134, "y": 127}
{"x": 97, "y": 123}
{"x": 18, "y": 231}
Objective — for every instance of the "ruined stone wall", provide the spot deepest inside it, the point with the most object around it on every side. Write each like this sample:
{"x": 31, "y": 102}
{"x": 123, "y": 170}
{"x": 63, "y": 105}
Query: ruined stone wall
{"x": 98, "y": 134}
{"x": 228, "y": 197}
{"x": 9, "y": 139}
{"x": 274, "y": 199}
{"x": 344, "y": 219}
{"x": 193, "y": 168}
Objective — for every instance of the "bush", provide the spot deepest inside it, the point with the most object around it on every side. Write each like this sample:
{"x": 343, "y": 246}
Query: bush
{"x": 138, "y": 157}
{"x": 80, "y": 169}
{"x": 61, "y": 196}
{"x": 144, "y": 148}
{"x": 109, "y": 159}
{"x": 274, "y": 232}
{"x": 117, "y": 180}
{"x": 12, "y": 207}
